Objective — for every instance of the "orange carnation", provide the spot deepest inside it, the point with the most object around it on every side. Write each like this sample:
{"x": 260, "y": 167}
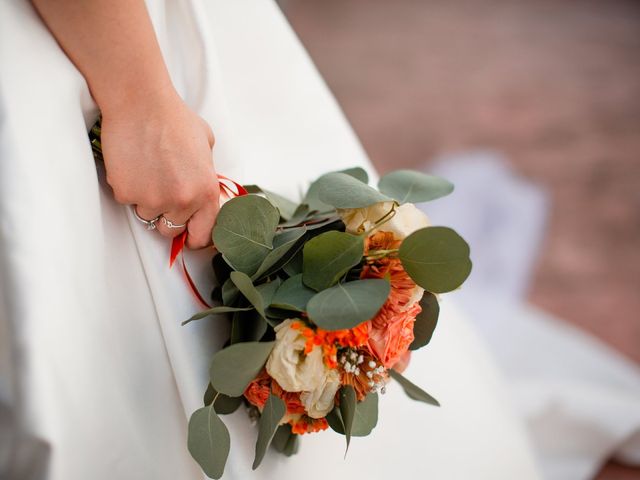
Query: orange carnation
{"x": 307, "y": 424}
{"x": 391, "y": 330}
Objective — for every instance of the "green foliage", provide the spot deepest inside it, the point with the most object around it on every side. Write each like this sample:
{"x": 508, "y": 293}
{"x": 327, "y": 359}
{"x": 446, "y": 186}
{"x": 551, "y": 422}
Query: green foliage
{"x": 292, "y": 295}
{"x": 244, "y": 231}
{"x": 365, "y": 418}
{"x": 286, "y": 245}
{"x": 224, "y": 404}
{"x": 413, "y": 391}
{"x": 234, "y": 367}
{"x": 436, "y": 258}
{"x": 208, "y": 441}
{"x": 426, "y": 321}
{"x": 272, "y": 413}
{"x": 285, "y": 441}
{"x": 348, "y": 401}
{"x": 245, "y": 285}
{"x": 341, "y": 190}
{"x": 327, "y": 257}
{"x": 414, "y": 187}
{"x": 216, "y": 311}
{"x": 346, "y": 305}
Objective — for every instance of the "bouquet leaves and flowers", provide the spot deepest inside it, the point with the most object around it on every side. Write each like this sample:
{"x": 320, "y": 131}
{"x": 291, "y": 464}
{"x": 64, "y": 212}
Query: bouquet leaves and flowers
{"x": 326, "y": 300}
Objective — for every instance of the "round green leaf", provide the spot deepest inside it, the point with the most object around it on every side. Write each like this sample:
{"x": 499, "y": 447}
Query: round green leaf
{"x": 341, "y": 190}
{"x": 327, "y": 257}
{"x": 208, "y": 441}
{"x": 346, "y": 305}
{"x": 234, "y": 367}
{"x": 414, "y": 187}
{"x": 244, "y": 231}
{"x": 426, "y": 321}
{"x": 245, "y": 285}
{"x": 436, "y": 258}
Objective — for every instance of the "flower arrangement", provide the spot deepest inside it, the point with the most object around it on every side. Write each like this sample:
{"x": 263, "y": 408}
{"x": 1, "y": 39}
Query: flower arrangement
{"x": 326, "y": 300}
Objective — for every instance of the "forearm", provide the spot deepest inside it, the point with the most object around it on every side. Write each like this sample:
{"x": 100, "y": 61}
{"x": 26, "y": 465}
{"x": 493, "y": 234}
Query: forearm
{"x": 113, "y": 44}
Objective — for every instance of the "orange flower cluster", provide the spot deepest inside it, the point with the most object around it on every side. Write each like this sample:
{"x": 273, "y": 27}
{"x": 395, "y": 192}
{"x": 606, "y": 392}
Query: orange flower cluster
{"x": 330, "y": 341}
{"x": 258, "y": 392}
{"x": 391, "y": 330}
{"x": 307, "y": 424}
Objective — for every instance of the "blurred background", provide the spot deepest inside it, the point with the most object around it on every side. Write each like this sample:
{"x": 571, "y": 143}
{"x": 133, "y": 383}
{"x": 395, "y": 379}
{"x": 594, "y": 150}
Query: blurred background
{"x": 543, "y": 95}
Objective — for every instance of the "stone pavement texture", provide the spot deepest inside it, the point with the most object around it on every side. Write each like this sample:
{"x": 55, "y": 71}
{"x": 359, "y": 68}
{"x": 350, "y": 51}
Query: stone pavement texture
{"x": 555, "y": 86}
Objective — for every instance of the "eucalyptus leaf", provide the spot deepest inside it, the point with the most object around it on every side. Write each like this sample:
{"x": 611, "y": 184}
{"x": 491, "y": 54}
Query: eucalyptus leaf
{"x": 348, "y": 401}
{"x": 245, "y": 285}
{"x": 208, "y": 441}
{"x": 436, "y": 258}
{"x": 346, "y": 305}
{"x": 366, "y": 416}
{"x": 341, "y": 190}
{"x": 413, "y": 391}
{"x": 294, "y": 266}
{"x": 285, "y": 206}
{"x": 285, "y": 441}
{"x": 267, "y": 290}
{"x": 365, "y": 419}
{"x": 216, "y": 311}
{"x": 414, "y": 187}
{"x": 224, "y": 404}
{"x": 272, "y": 413}
{"x": 234, "y": 367}
{"x": 244, "y": 231}
{"x": 247, "y": 327}
{"x": 230, "y": 292}
{"x": 284, "y": 249}
{"x": 358, "y": 173}
{"x": 334, "y": 419}
{"x": 426, "y": 321}
{"x": 292, "y": 295}
{"x": 327, "y": 257}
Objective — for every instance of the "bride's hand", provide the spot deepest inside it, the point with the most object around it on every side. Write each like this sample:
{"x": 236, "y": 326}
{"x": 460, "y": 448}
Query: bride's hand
{"x": 158, "y": 158}
{"x": 157, "y": 152}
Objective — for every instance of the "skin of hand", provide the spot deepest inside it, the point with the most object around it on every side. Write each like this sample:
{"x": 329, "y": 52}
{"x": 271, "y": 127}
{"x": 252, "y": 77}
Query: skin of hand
{"x": 157, "y": 152}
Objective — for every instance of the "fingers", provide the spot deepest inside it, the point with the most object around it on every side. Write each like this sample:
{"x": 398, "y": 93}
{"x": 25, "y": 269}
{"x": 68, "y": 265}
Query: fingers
{"x": 201, "y": 224}
{"x": 146, "y": 214}
{"x": 172, "y": 224}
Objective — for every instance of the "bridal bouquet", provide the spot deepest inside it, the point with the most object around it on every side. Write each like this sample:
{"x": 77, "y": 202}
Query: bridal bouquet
{"x": 326, "y": 300}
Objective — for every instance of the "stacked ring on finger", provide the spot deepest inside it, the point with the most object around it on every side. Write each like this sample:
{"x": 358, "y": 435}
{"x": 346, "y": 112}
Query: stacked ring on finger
{"x": 169, "y": 224}
{"x": 150, "y": 224}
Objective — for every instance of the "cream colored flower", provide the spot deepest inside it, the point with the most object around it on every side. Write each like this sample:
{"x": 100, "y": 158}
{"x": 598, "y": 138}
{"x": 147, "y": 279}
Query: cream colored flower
{"x": 407, "y": 219}
{"x": 319, "y": 402}
{"x": 288, "y": 364}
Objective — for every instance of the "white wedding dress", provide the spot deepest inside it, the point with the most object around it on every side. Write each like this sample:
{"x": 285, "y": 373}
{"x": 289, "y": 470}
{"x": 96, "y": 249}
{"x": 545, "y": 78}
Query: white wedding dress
{"x": 107, "y": 376}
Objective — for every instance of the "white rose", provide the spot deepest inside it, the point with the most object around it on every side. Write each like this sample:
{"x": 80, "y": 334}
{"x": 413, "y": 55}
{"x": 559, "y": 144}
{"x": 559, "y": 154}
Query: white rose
{"x": 289, "y": 366}
{"x": 319, "y": 402}
{"x": 407, "y": 219}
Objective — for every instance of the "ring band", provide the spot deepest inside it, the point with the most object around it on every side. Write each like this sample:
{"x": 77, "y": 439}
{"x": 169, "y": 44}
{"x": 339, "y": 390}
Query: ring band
{"x": 150, "y": 224}
{"x": 169, "y": 224}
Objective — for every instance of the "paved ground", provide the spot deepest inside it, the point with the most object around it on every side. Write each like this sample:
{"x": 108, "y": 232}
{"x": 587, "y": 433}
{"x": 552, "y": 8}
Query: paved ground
{"x": 553, "y": 85}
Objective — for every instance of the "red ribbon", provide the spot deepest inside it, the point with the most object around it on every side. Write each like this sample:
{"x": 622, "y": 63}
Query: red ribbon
{"x": 228, "y": 188}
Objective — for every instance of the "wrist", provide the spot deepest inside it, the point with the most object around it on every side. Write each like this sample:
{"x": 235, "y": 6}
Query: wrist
{"x": 140, "y": 94}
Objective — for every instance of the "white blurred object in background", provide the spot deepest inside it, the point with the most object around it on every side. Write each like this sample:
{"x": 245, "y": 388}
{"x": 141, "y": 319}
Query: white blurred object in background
{"x": 579, "y": 398}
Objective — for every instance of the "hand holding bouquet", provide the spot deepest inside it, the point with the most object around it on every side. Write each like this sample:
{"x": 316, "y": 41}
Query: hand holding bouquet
{"x": 326, "y": 300}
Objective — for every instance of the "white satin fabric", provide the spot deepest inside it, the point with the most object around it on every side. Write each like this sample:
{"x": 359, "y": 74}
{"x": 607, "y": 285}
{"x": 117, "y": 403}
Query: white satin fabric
{"x": 107, "y": 374}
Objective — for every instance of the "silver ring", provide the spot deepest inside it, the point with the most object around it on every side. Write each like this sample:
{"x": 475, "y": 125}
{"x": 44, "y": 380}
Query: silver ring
{"x": 150, "y": 224}
{"x": 169, "y": 224}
